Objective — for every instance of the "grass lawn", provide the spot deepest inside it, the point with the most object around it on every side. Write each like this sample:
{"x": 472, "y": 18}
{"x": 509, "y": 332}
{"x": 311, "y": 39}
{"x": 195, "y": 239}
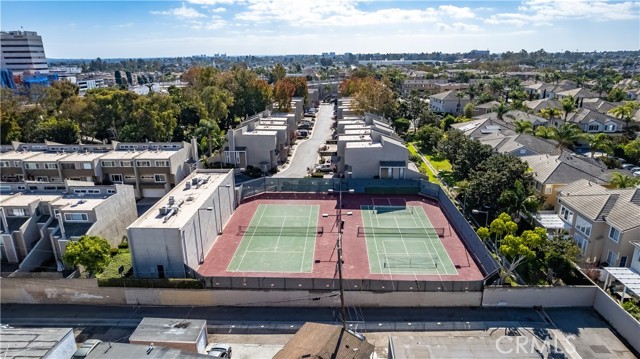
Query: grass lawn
{"x": 438, "y": 162}
{"x": 423, "y": 166}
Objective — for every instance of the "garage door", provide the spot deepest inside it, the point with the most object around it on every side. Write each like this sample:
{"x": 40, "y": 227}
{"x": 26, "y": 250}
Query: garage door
{"x": 153, "y": 192}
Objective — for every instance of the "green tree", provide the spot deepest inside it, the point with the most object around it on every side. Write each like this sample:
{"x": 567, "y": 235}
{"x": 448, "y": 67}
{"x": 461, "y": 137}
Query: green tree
{"x": 559, "y": 255}
{"x": 451, "y": 143}
{"x": 568, "y": 105}
{"x": 375, "y": 96}
{"x": 632, "y": 150}
{"x": 625, "y": 112}
{"x": 600, "y": 141}
{"x": 567, "y": 134}
{"x": 428, "y": 137}
{"x": 501, "y": 109}
{"x": 278, "y": 73}
{"x": 153, "y": 119}
{"x": 210, "y": 136}
{"x": 9, "y": 117}
{"x": 58, "y": 130}
{"x": 282, "y": 94}
{"x": 492, "y": 177}
{"x": 523, "y": 126}
{"x": 519, "y": 249}
{"x": 616, "y": 95}
{"x": 500, "y": 227}
{"x": 469, "y": 156}
{"x": 518, "y": 200}
{"x": 468, "y": 110}
{"x": 619, "y": 180}
{"x": 549, "y": 113}
{"x": 544, "y": 132}
{"x": 401, "y": 125}
{"x": 91, "y": 252}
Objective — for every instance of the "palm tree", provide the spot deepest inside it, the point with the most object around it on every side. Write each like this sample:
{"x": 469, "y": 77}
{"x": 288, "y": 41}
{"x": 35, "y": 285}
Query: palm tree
{"x": 623, "y": 181}
{"x": 500, "y": 110}
{"x": 568, "y": 105}
{"x": 600, "y": 141}
{"x": 544, "y": 132}
{"x": 567, "y": 134}
{"x": 550, "y": 113}
{"x": 519, "y": 199}
{"x": 523, "y": 126}
{"x": 625, "y": 112}
{"x": 211, "y": 134}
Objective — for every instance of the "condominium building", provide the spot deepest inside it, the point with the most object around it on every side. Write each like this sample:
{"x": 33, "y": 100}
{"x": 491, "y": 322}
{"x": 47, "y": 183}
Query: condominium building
{"x": 39, "y": 219}
{"x": 152, "y": 168}
{"x": 23, "y": 51}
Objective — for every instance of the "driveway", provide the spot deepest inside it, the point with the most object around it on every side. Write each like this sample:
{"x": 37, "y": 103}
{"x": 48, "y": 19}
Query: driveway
{"x": 306, "y": 153}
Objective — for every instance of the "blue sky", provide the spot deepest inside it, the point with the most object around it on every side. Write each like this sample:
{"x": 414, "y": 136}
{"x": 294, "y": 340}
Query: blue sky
{"x": 89, "y": 29}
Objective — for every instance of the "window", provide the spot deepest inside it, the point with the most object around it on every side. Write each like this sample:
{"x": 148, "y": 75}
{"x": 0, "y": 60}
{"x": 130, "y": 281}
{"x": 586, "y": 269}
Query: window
{"x": 17, "y": 164}
{"x": 111, "y": 191}
{"x": 116, "y": 178}
{"x": 108, "y": 164}
{"x": 51, "y": 166}
{"x": 147, "y": 177}
{"x": 22, "y": 188}
{"x": 4, "y": 163}
{"x": 583, "y": 226}
{"x": 566, "y": 214}
{"x": 623, "y": 261}
{"x": 143, "y": 163}
{"x": 161, "y": 178}
{"x": 31, "y": 166}
{"x": 593, "y": 127}
{"x": 126, "y": 163}
{"x": 17, "y": 212}
{"x": 84, "y": 190}
{"x": 538, "y": 186}
{"x": 85, "y": 166}
{"x": 614, "y": 234}
{"x": 50, "y": 188}
{"x": 162, "y": 163}
{"x": 76, "y": 217}
{"x": 611, "y": 258}
{"x": 42, "y": 179}
{"x": 583, "y": 243}
{"x": 55, "y": 179}
{"x": 129, "y": 178}
{"x": 548, "y": 189}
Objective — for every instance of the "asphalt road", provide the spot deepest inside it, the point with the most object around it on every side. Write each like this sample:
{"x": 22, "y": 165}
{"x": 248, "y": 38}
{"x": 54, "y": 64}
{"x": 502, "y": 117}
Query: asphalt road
{"x": 306, "y": 154}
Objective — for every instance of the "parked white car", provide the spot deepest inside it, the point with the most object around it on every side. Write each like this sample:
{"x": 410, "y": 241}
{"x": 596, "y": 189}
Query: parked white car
{"x": 219, "y": 350}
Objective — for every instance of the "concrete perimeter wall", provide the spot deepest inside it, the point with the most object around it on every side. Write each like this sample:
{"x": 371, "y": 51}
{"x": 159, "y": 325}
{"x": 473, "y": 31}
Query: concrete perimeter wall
{"x": 626, "y": 325}
{"x": 549, "y": 297}
{"x": 86, "y": 291}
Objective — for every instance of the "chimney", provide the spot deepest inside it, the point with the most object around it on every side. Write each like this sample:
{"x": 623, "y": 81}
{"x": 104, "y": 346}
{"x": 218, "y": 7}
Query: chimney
{"x": 194, "y": 149}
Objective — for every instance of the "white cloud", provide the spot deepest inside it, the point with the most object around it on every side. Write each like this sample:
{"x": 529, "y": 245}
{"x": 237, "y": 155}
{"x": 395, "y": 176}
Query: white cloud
{"x": 181, "y": 12}
{"x": 211, "y": 2}
{"x": 343, "y": 13}
{"x": 218, "y": 9}
{"x": 129, "y": 24}
{"x": 546, "y": 12}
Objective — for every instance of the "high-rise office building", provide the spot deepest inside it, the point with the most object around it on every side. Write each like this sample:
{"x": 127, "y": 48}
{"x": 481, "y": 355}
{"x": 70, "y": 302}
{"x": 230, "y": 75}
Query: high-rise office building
{"x": 23, "y": 51}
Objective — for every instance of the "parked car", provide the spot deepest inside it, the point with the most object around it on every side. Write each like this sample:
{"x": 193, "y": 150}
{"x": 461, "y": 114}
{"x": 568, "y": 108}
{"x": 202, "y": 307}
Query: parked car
{"x": 302, "y": 133}
{"x": 325, "y": 167}
{"x": 636, "y": 174}
{"x": 86, "y": 348}
{"x": 634, "y": 169}
{"x": 628, "y": 166}
{"x": 219, "y": 350}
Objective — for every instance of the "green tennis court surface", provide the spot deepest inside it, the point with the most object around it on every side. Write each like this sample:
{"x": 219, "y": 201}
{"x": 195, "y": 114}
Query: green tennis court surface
{"x": 401, "y": 240}
{"x": 279, "y": 238}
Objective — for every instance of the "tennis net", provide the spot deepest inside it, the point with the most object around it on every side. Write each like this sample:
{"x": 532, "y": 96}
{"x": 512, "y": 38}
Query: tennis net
{"x": 404, "y": 232}
{"x": 396, "y": 210}
{"x": 280, "y": 231}
{"x": 427, "y": 262}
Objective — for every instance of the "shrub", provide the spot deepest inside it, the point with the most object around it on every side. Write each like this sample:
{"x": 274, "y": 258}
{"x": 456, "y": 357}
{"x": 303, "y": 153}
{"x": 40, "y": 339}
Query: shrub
{"x": 123, "y": 258}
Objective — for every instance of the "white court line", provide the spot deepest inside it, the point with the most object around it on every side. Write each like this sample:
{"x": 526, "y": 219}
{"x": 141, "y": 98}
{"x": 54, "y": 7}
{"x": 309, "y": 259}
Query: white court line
{"x": 280, "y": 235}
{"x": 274, "y": 252}
{"x": 436, "y": 250}
{"x": 375, "y": 242}
{"x": 250, "y": 239}
{"x": 306, "y": 238}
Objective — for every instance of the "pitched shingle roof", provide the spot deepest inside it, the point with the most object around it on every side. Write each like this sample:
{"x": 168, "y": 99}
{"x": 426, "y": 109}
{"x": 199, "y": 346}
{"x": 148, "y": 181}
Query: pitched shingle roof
{"x": 323, "y": 341}
{"x": 448, "y": 95}
{"x": 566, "y": 168}
{"x": 619, "y": 208}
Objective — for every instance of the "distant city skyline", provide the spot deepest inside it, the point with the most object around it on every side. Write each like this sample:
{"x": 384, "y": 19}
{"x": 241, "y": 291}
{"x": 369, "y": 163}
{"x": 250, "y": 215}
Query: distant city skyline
{"x": 123, "y": 29}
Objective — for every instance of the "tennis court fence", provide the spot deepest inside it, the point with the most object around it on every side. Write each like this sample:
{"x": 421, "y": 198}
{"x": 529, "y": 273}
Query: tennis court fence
{"x": 280, "y": 231}
{"x": 404, "y": 232}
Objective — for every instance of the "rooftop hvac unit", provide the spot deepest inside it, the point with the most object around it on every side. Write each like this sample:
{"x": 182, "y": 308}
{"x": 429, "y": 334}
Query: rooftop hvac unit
{"x": 163, "y": 210}
{"x": 172, "y": 200}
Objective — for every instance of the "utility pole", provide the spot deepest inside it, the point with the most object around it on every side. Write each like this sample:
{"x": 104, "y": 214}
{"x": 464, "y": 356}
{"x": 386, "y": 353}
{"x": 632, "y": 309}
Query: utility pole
{"x": 340, "y": 226}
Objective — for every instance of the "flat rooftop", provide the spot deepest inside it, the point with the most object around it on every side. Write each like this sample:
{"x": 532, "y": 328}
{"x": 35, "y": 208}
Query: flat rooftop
{"x": 120, "y": 155}
{"x": 363, "y": 144}
{"x": 192, "y": 199}
{"x": 137, "y": 351}
{"x": 83, "y": 156}
{"x": 168, "y": 330}
{"x": 24, "y": 199}
{"x": 47, "y": 157}
{"x": 362, "y": 138}
{"x": 76, "y": 203}
{"x": 30, "y": 342}
{"x": 259, "y": 132}
{"x": 17, "y": 155}
{"x": 157, "y": 154}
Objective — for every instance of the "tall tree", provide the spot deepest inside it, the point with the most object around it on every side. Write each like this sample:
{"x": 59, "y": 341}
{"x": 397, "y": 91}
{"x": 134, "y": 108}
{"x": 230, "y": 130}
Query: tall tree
{"x": 492, "y": 177}
{"x": 58, "y": 130}
{"x": 518, "y": 200}
{"x": 625, "y": 112}
{"x": 501, "y": 109}
{"x": 567, "y": 134}
{"x": 600, "y": 141}
{"x": 523, "y": 126}
{"x": 568, "y": 105}
{"x": 278, "y": 73}
{"x": 619, "y": 180}
{"x": 91, "y": 252}
{"x": 632, "y": 150}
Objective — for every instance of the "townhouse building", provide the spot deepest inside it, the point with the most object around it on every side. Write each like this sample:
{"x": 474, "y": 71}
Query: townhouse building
{"x": 39, "y": 220}
{"x": 153, "y": 168}
{"x": 452, "y": 102}
{"x": 604, "y": 222}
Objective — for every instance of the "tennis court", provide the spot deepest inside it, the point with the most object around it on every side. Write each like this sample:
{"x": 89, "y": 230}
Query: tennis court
{"x": 401, "y": 240}
{"x": 279, "y": 238}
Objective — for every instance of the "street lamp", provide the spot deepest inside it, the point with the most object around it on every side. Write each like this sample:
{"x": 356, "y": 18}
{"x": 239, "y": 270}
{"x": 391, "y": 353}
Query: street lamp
{"x": 464, "y": 200}
{"x": 201, "y": 259}
{"x": 486, "y": 214}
